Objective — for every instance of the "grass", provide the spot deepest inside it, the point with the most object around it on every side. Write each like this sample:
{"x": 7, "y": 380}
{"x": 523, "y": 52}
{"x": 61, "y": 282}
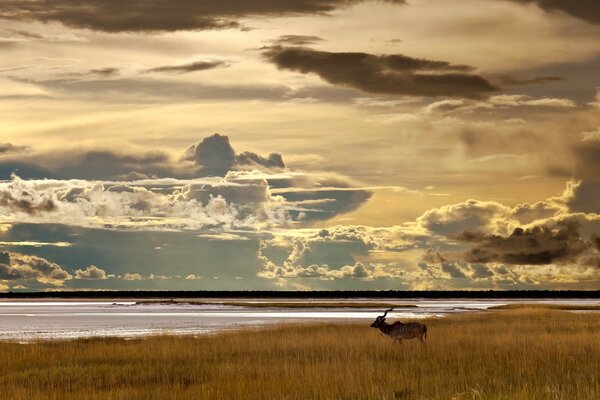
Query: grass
{"x": 271, "y": 304}
{"x": 566, "y": 307}
{"x": 516, "y": 354}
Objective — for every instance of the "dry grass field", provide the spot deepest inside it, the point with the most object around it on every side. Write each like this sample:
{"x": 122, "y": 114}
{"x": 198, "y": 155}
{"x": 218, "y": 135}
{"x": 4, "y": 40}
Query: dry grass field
{"x": 513, "y": 354}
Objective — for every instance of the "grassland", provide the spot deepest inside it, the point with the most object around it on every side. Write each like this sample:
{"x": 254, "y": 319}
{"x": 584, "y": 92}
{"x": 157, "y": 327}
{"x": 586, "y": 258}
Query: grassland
{"x": 283, "y": 304}
{"x": 513, "y": 354}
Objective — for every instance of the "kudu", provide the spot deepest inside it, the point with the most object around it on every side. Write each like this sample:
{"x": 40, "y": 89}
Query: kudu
{"x": 398, "y": 331}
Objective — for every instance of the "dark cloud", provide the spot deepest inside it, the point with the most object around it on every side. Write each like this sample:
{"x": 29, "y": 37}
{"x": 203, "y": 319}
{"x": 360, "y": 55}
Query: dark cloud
{"x": 583, "y": 194}
{"x": 106, "y": 72}
{"x": 9, "y": 148}
{"x": 539, "y": 245}
{"x": 479, "y": 271}
{"x": 248, "y": 158}
{"x": 324, "y": 204}
{"x": 17, "y": 267}
{"x": 187, "y": 68}
{"x": 297, "y": 40}
{"x": 587, "y": 156}
{"x": 587, "y": 10}
{"x": 96, "y": 164}
{"x": 383, "y": 74}
{"x": 104, "y": 164}
{"x": 215, "y": 157}
{"x": 453, "y": 270}
{"x": 23, "y": 169}
{"x": 161, "y": 15}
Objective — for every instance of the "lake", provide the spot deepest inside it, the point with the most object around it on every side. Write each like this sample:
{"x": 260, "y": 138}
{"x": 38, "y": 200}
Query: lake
{"x": 40, "y": 319}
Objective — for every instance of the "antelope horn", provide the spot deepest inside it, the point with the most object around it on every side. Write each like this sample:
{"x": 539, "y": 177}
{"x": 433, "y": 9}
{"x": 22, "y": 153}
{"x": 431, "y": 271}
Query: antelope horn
{"x": 386, "y": 311}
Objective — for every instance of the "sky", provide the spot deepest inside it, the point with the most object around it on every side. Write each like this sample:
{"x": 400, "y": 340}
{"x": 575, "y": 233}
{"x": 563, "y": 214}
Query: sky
{"x": 299, "y": 145}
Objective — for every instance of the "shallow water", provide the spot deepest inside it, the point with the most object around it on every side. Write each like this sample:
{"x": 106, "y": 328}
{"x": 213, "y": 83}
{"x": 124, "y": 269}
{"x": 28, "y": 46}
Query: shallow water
{"x": 35, "y": 320}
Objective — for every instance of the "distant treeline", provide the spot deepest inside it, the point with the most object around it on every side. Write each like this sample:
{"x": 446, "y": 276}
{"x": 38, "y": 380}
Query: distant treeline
{"x": 369, "y": 294}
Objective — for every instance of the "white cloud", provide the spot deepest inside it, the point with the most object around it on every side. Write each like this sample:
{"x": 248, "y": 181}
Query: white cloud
{"x": 153, "y": 205}
{"x": 91, "y": 272}
{"x": 128, "y": 276}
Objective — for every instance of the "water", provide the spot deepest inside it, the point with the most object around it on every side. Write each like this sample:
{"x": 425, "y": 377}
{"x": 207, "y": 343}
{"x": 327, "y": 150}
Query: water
{"x": 37, "y": 320}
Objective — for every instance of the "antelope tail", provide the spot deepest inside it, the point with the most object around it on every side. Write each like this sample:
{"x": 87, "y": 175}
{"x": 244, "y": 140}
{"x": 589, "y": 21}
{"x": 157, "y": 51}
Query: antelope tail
{"x": 425, "y": 333}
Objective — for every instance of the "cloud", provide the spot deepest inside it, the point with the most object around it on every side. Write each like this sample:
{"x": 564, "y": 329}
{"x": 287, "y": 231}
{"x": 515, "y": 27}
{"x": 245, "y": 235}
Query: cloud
{"x": 382, "y": 74}
{"x": 296, "y": 40}
{"x": 472, "y": 215}
{"x": 215, "y": 156}
{"x": 216, "y": 188}
{"x": 161, "y": 15}
{"x": 583, "y": 192}
{"x": 504, "y": 101}
{"x": 356, "y": 271}
{"x": 540, "y": 245}
{"x": 587, "y": 156}
{"x": 187, "y": 68}
{"x": 324, "y": 203}
{"x": 172, "y": 204}
{"x": 108, "y": 164}
{"x": 132, "y": 276}
{"x": 16, "y": 267}
{"x": 105, "y": 72}
{"x": 553, "y": 255}
{"x": 335, "y": 253}
{"x": 239, "y": 201}
{"x": 583, "y": 196}
{"x": 586, "y": 10}
{"x": 560, "y": 230}
{"x": 592, "y": 136}
{"x": 16, "y": 36}
{"x": 91, "y": 272}
{"x": 516, "y": 81}
{"x": 9, "y": 148}
{"x": 222, "y": 236}
{"x": 34, "y": 243}
{"x": 15, "y": 200}
{"x": 93, "y": 164}
{"x": 453, "y": 270}
{"x": 145, "y": 90}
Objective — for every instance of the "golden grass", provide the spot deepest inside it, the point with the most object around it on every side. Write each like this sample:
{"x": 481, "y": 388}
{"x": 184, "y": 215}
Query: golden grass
{"x": 517, "y": 354}
{"x": 571, "y": 307}
{"x": 271, "y": 304}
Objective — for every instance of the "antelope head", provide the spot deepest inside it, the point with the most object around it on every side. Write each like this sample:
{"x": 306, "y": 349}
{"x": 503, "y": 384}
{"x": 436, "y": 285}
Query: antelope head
{"x": 379, "y": 321}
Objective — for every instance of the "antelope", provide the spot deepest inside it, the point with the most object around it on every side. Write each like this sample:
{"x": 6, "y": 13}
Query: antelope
{"x": 398, "y": 331}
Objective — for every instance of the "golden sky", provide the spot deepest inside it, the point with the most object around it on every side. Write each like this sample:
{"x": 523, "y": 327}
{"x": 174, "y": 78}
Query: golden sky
{"x": 315, "y": 144}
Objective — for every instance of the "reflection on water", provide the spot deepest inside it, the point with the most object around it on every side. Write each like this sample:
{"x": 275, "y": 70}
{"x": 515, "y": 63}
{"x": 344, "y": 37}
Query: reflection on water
{"x": 32, "y": 320}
